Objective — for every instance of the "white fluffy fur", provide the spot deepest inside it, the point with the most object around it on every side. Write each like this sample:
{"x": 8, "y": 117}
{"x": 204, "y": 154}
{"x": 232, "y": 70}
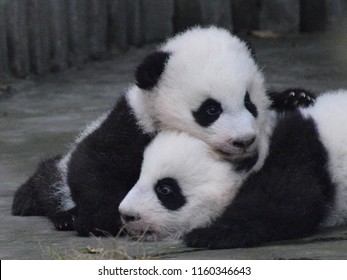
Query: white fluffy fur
{"x": 330, "y": 116}
{"x": 208, "y": 63}
{"x": 207, "y": 182}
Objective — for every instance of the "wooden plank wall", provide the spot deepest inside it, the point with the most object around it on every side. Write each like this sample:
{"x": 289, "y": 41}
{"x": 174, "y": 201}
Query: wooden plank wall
{"x": 41, "y": 36}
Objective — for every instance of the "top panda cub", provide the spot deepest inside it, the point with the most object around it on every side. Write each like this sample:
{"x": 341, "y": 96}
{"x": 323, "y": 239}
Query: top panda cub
{"x": 205, "y": 82}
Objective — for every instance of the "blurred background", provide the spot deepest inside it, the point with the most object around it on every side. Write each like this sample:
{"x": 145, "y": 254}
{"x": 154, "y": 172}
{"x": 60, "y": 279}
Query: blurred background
{"x": 42, "y": 36}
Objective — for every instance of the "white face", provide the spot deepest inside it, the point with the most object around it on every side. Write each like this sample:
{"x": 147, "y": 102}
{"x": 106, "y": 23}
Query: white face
{"x": 183, "y": 185}
{"x": 212, "y": 89}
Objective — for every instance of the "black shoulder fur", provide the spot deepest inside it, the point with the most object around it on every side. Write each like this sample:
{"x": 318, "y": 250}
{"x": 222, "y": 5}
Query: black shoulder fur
{"x": 103, "y": 168}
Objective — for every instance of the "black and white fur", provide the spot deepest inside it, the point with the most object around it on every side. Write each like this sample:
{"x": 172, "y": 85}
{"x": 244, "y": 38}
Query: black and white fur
{"x": 186, "y": 191}
{"x": 183, "y": 185}
{"x": 204, "y": 82}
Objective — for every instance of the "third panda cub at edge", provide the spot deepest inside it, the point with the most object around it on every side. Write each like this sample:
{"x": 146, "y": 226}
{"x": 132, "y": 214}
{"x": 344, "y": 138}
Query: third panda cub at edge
{"x": 187, "y": 191}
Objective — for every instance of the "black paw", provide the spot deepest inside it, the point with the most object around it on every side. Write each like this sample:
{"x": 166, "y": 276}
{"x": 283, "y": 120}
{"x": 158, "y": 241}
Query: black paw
{"x": 291, "y": 99}
{"x": 64, "y": 221}
{"x": 87, "y": 225}
{"x": 82, "y": 227}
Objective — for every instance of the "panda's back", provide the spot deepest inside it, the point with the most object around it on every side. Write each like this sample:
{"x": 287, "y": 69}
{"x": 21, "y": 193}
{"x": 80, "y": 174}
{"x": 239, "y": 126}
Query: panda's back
{"x": 291, "y": 194}
{"x": 330, "y": 117}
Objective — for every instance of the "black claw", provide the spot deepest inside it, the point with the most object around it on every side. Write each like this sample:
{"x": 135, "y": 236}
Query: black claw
{"x": 291, "y": 99}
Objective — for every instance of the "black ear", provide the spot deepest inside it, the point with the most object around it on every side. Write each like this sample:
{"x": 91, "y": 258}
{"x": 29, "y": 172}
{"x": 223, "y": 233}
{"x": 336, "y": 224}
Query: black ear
{"x": 149, "y": 71}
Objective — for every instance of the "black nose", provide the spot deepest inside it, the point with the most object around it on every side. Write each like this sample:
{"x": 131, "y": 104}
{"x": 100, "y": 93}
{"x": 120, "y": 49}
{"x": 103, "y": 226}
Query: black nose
{"x": 129, "y": 218}
{"x": 244, "y": 143}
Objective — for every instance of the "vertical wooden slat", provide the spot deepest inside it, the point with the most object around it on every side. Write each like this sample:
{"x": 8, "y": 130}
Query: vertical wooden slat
{"x": 217, "y": 12}
{"x": 187, "y": 13}
{"x": 157, "y": 19}
{"x": 202, "y": 12}
{"x": 280, "y": 16}
{"x": 135, "y": 28}
{"x": 117, "y": 32}
{"x": 34, "y": 36}
{"x": 18, "y": 49}
{"x": 77, "y": 21}
{"x": 45, "y": 35}
{"x": 245, "y": 15}
{"x": 335, "y": 11}
{"x": 97, "y": 28}
{"x": 38, "y": 37}
{"x": 3, "y": 41}
{"x": 317, "y": 15}
{"x": 58, "y": 34}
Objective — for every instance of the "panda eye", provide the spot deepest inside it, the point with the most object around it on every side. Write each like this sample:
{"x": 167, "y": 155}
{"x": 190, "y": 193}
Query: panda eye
{"x": 169, "y": 193}
{"x": 250, "y": 106}
{"x": 164, "y": 189}
{"x": 212, "y": 110}
{"x": 208, "y": 112}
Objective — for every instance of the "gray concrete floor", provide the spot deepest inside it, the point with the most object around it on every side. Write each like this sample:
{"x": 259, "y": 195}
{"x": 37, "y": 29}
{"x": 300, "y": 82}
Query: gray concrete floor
{"x": 45, "y": 115}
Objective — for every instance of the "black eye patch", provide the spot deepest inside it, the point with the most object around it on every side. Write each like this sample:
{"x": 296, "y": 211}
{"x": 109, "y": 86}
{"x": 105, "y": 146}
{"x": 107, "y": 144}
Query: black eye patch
{"x": 250, "y": 106}
{"x": 169, "y": 193}
{"x": 208, "y": 112}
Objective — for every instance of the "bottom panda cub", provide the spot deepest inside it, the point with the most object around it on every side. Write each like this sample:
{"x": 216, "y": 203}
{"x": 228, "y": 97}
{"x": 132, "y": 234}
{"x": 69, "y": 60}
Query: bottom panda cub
{"x": 183, "y": 185}
{"x": 186, "y": 191}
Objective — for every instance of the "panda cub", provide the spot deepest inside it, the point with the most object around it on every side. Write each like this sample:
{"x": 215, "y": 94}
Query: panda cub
{"x": 187, "y": 191}
{"x": 183, "y": 185}
{"x": 204, "y": 82}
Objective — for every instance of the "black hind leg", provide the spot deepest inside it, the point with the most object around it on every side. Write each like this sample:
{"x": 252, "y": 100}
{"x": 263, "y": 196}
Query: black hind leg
{"x": 25, "y": 202}
{"x": 41, "y": 195}
{"x": 36, "y": 196}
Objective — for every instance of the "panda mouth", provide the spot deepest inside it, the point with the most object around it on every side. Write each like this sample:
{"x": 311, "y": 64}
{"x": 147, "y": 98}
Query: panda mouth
{"x": 231, "y": 156}
{"x": 147, "y": 235}
{"x": 150, "y": 234}
{"x": 140, "y": 233}
{"x": 224, "y": 153}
